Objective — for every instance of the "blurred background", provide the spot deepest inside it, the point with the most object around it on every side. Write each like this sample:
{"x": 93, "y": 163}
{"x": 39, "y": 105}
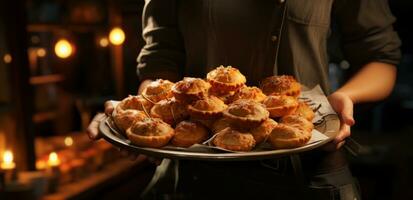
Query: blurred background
{"x": 60, "y": 60}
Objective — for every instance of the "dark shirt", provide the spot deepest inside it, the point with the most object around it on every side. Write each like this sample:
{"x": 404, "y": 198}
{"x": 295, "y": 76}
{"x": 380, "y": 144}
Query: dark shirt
{"x": 262, "y": 38}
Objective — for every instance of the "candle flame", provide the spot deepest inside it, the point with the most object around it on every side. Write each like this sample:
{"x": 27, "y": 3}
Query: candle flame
{"x": 53, "y": 159}
{"x": 8, "y": 157}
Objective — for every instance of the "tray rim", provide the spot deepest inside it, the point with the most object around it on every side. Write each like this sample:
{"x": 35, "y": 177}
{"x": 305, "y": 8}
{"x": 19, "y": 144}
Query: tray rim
{"x": 224, "y": 156}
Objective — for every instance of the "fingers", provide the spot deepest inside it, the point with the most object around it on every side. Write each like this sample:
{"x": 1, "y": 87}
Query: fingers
{"x": 339, "y": 140}
{"x": 109, "y": 107}
{"x": 93, "y": 130}
{"x": 347, "y": 112}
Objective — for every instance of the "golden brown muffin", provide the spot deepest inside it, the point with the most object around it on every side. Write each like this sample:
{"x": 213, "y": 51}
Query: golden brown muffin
{"x": 279, "y": 106}
{"x": 170, "y": 111}
{"x": 261, "y": 132}
{"x": 225, "y": 97}
{"x": 234, "y": 140}
{"x": 190, "y": 89}
{"x": 207, "y": 108}
{"x": 305, "y": 111}
{"x": 281, "y": 85}
{"x": 252, "y": 93}
{"x": 188, "y": 133}
{"x": 135, "y": 103}
{"x": 151, "y": 132}
{"x": 246, "y": 113}
{"x": 125, "y": 118}
{"x": 285, "y": 136}
{"x": 226, "y": 79}
{"x": 298, "y": 122}
{"x": 158, "y": 90}
{"x": 220, "y": 124}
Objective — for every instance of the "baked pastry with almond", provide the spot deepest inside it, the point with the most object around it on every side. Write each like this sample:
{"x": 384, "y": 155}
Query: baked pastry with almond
{"x": 305, "y": 111}
{"x": 158, "y": 90}
{"x": 252, "y": 93}
{"x": 261, "y": 132}
{"x": 285, "y": 136}
{"x": 246, "y": 113}
{"x": 188, "y": 133}
{"x": 207, "y": 108}
{"x": 281, "y": 85}
{"x": 279, "y": 106}
{"x": 190, "y": 89}
{"x": 125, "y": 118}
{"x": 298, "y": 121}
{"x": 226, "y": 79}
{"x": 150, "y": 132}
{"x": 234, "y": 140}
{"x": 135, "y": 103}
{"x": 170, "y": 111}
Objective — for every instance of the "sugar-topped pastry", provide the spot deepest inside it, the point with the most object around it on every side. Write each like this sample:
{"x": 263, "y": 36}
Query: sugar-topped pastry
{"x": 158, "y": 90}
{"x": 286, "y": 136}
{"x": 207, "y": 108}
{"x": 281, "y": 105}
{"x": 305, "y": 111}
{"x": 226, "y": 79}
{"x": 234, "y": 140}
{"x": 246, "y": 113}
{"x": 190, "y": 89}
{"x": 298, "y": 121}
{"x": 252, "y": 93}
{"x": 170, "y": 111}
{"x": 188, "y": 133}
{"x": 261, "y": 132}
{"x": 150, "y": 132}
{"x": 281, "y": 85}
{"x": 125, "y": 118}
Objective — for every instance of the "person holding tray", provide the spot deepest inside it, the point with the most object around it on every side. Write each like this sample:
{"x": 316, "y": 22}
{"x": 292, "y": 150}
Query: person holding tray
{"x": 265, "y": 38}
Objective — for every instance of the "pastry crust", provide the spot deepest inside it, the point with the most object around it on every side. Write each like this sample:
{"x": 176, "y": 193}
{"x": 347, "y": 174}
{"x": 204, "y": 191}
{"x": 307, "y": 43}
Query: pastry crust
{"x": 188, "y": 133}
{"x": 150, "y": 132}
{"x": 252, "y": 93}
{"x": 279, "y": 106}
{"x": 305, "y": 111}
{"x": 190, "y": 89}
{"x": 298, "y": 122}
{"x": 281, "y": 85}
{"x": 125, "y": 118}
{"x": 158, "y": 90}
{"x": 220, "y": 124}
{"x": 135, "y": 103}
{"x": 261, "y": 132}
{"x": 234, "y": 140}
{"x": 284, "y": 136}
{"x": 225, "y": 97}
{"x": 207, "y": 108}
{"x": 246, "y": 113}
{"x": 226, "y": 79}
{"x": 170, "y": 111}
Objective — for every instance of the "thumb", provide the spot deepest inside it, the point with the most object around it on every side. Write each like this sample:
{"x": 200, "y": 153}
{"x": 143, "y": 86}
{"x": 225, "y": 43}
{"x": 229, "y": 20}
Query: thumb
{"x": 347, "y": 113}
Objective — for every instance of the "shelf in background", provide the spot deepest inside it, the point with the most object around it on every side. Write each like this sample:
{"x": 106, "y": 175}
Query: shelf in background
{"x": 45, "y": 79}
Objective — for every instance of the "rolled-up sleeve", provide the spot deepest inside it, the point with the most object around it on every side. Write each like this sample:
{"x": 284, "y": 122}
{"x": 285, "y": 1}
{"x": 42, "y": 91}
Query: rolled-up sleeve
{"x": 163, "y": 55}
{"x": 367, "y": 31}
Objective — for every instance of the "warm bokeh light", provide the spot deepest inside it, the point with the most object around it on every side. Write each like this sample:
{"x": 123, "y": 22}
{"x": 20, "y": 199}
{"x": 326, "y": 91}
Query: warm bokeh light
{"x": 117, "y": 36}
{"x": 53, "y": 160}
{"x": 68, "y": 141}
{"x": 41, "y": 52}
{"x": 63, "y": 48}
{"x": 8, "y": 161}
{"x": 104, "y": 42}
{"x": 7, "y": 58}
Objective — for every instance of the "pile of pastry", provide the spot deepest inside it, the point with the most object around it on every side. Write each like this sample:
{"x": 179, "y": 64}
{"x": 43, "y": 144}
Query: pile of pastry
{"x": 222, "y": 106}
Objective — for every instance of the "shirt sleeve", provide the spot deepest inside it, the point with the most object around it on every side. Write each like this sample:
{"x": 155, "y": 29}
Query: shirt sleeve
{"x": 163, "y": 55}
{"x": 366, "y": 27}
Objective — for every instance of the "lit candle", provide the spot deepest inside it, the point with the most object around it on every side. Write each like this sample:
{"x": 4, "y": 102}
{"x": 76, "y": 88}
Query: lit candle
{"x": 54, "y": 160}
{"x": 8, "y": 163}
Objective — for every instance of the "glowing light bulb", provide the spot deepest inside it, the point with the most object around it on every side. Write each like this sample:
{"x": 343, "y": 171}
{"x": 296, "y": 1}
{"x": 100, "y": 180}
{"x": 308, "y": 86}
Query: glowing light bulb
{"x": 68, "y": 141}
{"x": 41, "y": 52}
{"x": 8, "y": 160}
{"x": 103, "y": 42}
{"x": 53, "y": 160}
{"x": 116, "y": 36}
{"x": 63, "y": 48}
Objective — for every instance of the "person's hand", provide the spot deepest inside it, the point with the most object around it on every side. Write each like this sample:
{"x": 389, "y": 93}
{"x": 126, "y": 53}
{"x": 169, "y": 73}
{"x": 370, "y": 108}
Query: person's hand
{"x": 343, "y": 105}
{"x": 92, "y": 130}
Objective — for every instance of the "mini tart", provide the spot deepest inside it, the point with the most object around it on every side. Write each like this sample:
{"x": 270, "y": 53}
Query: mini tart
{"x": 234, "y": 140}
{"x": 281, "y": 85}
{"x": 188, "y": 133}
{"x": 252, "y": 93}
{"x": 279, "y": 106}
{"x": 284, "y": 137}
{"x": 220, "y": 124}
{"x": 226, "y": 79}
{"x": 298, "y": 122}
{"x": 246, "y": 113}
{"x": 125, "y": 118}
{"x": 225, "y": 97}
{"x": 190, "y": 89}
{"x": 135, "y": 103}
{"x": 150, "y": 132}
{"x": 261, "y": 132}
{"x": 170, "y": 111}
{"x": 305, "y": 111}
{"x": 158, "y": 90}
{"x": 207, "y": 108}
